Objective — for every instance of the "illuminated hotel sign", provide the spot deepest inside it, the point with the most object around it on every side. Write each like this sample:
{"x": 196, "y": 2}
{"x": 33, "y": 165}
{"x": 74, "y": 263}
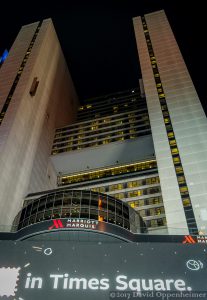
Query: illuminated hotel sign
{"x": 188, "y": 239}
{"x": 63, "y": 270}
{"x": 73, "y": 223}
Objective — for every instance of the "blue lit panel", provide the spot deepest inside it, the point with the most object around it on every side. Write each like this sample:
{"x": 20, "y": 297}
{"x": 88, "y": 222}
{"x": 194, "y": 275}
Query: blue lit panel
{"x": 4, "y": 56}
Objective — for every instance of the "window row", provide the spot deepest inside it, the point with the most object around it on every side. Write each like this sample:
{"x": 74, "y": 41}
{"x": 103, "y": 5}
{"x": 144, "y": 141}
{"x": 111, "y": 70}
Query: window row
{"x": 107, "y": 105}
{"x": 154, "y": 211}
{"x": 156, "y": 222}
{"x": 138, "y": 116}
{"x": 143, "y": 192}
{"x": 100, "y": 142}
{"x": 87, "y": 138}
{"x": 111, "y": 129}
{"x": 99, "y": 103}
{"x": 108, "y": 172}
{"x": 126, "y": 185}
{"x": 145, "y": 202}
{"x": 136, "y": 193}
{"x": 112, "y": 110}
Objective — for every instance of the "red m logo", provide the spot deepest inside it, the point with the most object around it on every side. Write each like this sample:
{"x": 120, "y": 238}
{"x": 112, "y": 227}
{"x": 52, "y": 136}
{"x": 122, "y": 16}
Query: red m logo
{"x": 56, "y": 224}
{"x": 188, "y": 240}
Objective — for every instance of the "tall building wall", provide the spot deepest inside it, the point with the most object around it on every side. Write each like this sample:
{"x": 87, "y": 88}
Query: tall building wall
{"x": 29, "y": 113}
{"x": 160, "y": 59}
{"x": 60, "y": 111}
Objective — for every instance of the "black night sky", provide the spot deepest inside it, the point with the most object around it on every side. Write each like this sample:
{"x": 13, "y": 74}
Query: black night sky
{"x": 98, "y": 40}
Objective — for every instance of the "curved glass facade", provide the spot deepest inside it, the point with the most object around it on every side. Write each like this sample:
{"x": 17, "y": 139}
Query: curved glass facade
{"x": 80, "y": 204}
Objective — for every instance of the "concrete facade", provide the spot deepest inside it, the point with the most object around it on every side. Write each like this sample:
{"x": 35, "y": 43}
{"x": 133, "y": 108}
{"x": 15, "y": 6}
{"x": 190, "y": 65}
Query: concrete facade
{"x": 187, "y": 117}
{"x": 116, "y": 153}
{"x": 28, "y": 125}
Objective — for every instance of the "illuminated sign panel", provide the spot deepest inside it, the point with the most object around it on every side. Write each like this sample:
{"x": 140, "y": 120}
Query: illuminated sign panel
{"x": 63, "y": 270}
{"x": 74, "y": 223}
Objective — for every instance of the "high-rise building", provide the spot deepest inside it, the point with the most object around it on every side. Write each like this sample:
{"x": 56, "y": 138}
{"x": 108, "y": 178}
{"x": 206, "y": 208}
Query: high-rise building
{"x": 36, "y": 95}
{"x": 81, "y": 184}
{"x": 145, "y": 146}
{"x": 178, "y": 124}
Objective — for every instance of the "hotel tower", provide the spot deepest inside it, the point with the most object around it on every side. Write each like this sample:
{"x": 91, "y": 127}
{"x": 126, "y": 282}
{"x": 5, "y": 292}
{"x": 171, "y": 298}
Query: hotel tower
{"x": 144, "y": 149}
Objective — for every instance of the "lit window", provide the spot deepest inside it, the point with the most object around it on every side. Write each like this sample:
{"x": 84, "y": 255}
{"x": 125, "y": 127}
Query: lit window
{"x": 166, "y": 120}
{"x": 135, "y": 193}
{"x": 129, "y": 184}
{"x": 162, "y": 95}
{"x": 174, "y": 150}
{"x": 120, "y": 186}
{"x": 170, "y": 134}
{"x": 94, "y": 127}
{"x": 176, "y": 159}
{"x": 119, "y": 196}
{"x": 102, "y": 189}
{"x": 181, "y": 179}
{"x": 152, "y": 180}
{"x": 183, "y": 189}
{"x": 132, "y": 131}
{"x": 186, "y": 202}
{"x": 172, "y": 142}
{"x": 131, "y": 204}
{"x": 141, "y": 202}
{"x": 158, "y": 211}
{"x": 179, "y": 170}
